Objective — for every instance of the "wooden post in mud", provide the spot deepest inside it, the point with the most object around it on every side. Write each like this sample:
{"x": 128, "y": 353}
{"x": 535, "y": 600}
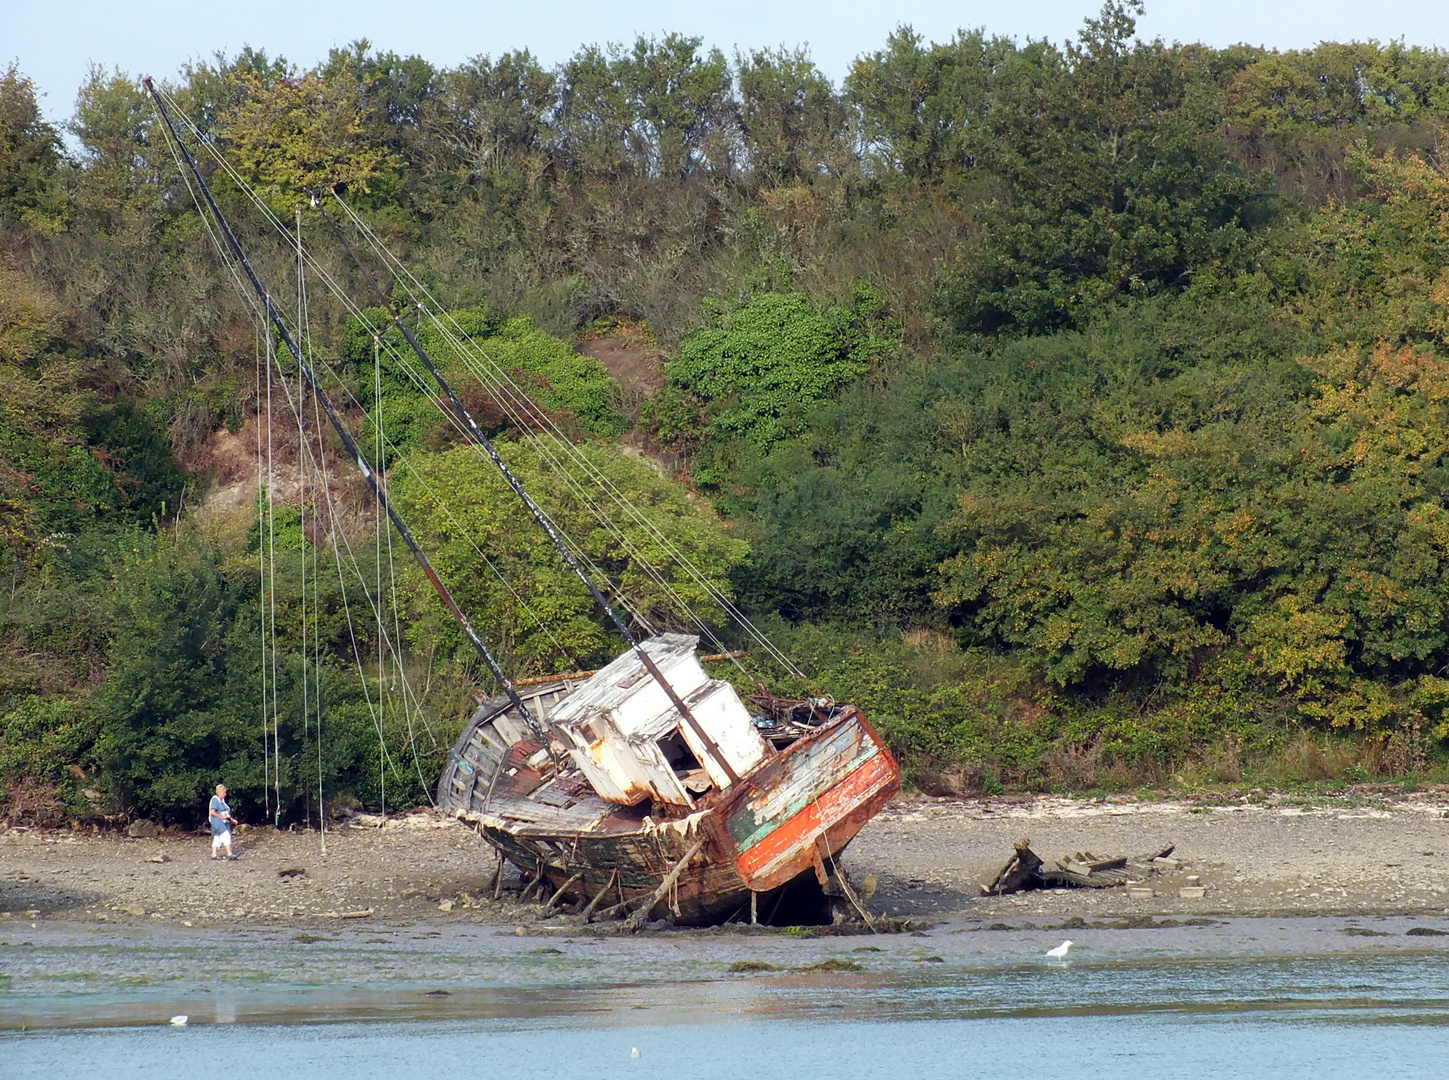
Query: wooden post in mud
{"x": 844, "y": 883}
{"x": 498, "y": 877}
{"x": 754, "y": 908}
{"x": 636, "y": 920}
{"x": 537, "y": 877}
{"x": 555, "y": 898}
{"x": 588, "y": 911}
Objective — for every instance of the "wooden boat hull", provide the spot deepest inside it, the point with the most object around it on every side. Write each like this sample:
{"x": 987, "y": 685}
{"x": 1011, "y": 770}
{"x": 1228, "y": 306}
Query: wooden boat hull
{"x": 786, "y": 821}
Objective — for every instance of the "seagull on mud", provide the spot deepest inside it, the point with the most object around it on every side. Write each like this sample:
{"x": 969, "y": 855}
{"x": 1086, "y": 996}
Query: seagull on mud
{"x": 179, "y": 1021}
{"x": 1060, "y": 952}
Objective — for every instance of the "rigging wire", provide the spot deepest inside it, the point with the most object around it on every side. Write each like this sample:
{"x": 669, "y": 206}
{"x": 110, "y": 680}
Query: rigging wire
{"x": 380, "y": 464}
{"x": 272, "y": 565}
{"x": 361, "y": 315}
{"x": 273, "y": 364}
{"x": 262, "y": 579}
{"x": 508, "y": 393}
{"x": 317, "y": 463}
{"x": 304, "y": 327}
{"x": 302, "y": 529}
{"x": 516, "y": 401}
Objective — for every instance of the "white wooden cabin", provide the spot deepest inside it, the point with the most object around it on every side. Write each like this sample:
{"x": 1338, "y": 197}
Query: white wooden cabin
{"x": 630, "y": 741}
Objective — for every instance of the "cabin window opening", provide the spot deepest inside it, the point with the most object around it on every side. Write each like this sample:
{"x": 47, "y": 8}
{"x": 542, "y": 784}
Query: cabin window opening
{"x": 677, "y": 752}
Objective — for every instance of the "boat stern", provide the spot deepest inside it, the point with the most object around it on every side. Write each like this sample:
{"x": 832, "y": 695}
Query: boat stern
{"x": 806, "y": 804}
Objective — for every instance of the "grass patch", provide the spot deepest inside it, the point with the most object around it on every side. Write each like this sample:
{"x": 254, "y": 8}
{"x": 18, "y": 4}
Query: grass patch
{"x": 833, "y": 965}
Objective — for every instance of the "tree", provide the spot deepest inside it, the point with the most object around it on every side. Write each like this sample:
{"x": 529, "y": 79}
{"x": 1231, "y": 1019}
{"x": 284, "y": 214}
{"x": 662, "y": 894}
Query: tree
{"x": 595, "y": 118}
{"x": 30, "y": 159}
{"x": 164, "y": 736}
{"x": 682, "y": 103}
{"x": 761, "y": 367}
{"x": 295, "y": 138}
{"x": 921, "y": 105}
{"x": 498, "y": 113}
{"x": 795, "y": 127}
{"x": 1113, "y": 185}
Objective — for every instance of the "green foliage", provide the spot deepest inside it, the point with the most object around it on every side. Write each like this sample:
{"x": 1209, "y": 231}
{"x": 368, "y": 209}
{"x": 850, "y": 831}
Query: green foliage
{"x": 1128, "y": 459}
{"x": 295, "y": 139}
{"x": 560, "y": 379}
{"x": 792, "y": 120}
{"x": 30, "y": 160}
{"x": 1111, "y": 184}
{"x": 659, "y": 107}
{"x": 504, "y": 571}
{"x": 182, "y": 708}
{"x": 132, "y": 442}
{"x": 41, "y": 738}
{"x": 762, "y": 367}
{"x": 574, "y": 389}
{"x": 164, "y": 731}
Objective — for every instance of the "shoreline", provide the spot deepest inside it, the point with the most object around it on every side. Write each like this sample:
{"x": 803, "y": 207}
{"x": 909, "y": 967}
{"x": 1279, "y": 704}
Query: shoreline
{"x": 1370, "y": 854}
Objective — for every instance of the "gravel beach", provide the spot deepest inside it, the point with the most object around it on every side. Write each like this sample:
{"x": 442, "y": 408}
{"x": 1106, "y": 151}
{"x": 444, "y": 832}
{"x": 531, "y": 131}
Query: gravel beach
{"x": 1363, "y": 854}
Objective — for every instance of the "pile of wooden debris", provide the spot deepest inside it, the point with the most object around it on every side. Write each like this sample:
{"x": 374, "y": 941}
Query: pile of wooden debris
{"x": 1025, "y": 870}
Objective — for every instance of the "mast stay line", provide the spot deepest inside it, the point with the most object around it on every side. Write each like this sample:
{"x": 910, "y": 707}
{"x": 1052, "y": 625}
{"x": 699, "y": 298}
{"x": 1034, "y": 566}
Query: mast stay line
{"x": 274, "y": 317}
{"x": 482, "y": 440}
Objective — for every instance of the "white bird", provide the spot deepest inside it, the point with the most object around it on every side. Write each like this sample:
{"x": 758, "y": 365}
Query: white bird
{"x": 634, "y": 1051}
{"x": 1060, "y": 951}
{"x": 180, "y": 1021}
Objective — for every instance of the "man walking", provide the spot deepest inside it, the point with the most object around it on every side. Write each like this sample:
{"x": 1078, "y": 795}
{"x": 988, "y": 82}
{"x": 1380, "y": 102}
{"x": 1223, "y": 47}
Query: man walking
{"x": 221, "y": 822}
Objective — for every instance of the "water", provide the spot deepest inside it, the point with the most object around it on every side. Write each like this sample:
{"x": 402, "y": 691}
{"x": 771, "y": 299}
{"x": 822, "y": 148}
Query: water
{"x": 1251, "y": 998}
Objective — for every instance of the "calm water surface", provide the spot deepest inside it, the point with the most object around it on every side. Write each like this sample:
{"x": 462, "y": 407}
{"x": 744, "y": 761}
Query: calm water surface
{"x": 1250, "y": 998}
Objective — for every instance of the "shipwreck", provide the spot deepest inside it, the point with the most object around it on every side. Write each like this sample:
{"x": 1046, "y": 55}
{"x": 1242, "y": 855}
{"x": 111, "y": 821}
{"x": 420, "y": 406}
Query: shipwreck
{"x": 633, "y": 805}
{"x": 646, "y": 789}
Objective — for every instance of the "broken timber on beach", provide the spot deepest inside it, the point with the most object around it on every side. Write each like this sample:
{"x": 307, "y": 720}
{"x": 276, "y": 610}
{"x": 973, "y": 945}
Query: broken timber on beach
{"x": 1025, "y": 871}
{"x": 629, "y": 800}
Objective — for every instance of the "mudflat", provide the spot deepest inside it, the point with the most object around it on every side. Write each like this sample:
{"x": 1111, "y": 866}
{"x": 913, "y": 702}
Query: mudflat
{"x": 1363, "y": 854}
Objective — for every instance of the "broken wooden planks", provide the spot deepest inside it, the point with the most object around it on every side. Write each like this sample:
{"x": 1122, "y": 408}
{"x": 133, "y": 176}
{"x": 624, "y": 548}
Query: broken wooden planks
{"x": 1026, "y": 870}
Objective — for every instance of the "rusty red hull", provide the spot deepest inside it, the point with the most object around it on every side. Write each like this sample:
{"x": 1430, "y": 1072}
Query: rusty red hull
{"x": 791, "y": 816}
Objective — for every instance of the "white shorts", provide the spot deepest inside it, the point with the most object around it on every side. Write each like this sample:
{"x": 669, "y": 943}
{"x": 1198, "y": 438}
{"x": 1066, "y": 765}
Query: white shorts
{"x": 220, "y": 840}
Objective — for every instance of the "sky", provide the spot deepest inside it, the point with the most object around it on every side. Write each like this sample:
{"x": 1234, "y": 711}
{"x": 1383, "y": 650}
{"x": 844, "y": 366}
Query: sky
{"x": 55, "y": 41}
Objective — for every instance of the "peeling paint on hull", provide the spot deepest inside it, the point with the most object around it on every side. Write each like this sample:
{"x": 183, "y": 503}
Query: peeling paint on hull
{"x": 758, "y": 835}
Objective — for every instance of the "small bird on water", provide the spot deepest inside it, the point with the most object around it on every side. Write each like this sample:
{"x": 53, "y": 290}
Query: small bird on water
{"x": 634, "y": 1051}
{"x": 1060, "y": 951}
{"x": 180, "y": 1021}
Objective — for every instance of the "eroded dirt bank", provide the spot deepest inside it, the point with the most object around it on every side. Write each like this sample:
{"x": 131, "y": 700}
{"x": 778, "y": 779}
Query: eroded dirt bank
{"x": 1360, "y": 855}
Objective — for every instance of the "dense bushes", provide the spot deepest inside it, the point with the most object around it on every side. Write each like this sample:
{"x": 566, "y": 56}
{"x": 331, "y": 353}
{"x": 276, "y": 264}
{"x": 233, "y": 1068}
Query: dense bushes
{"x": 1076, "y": 409}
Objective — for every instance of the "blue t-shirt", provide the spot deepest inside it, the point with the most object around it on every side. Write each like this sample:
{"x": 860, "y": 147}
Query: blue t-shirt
{"x": 219, "y": 824}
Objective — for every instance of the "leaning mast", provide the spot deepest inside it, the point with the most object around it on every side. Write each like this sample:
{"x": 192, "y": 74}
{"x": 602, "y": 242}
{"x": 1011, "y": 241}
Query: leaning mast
{"x": 274, "y": 317}
{"x": 476, "y": 434}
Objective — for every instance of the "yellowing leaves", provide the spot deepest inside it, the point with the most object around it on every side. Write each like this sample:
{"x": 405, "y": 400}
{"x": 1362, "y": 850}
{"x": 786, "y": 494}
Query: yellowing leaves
{"x": 293, "y": 138}
{"x": 30, "y": 316}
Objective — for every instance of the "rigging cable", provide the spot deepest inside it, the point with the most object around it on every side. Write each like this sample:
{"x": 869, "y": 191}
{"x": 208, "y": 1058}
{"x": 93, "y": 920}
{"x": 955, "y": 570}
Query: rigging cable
{"x": 266, "y": 313}
{"x": 547, "y": 423}
{"x": 358, "y": 313}
{"x": 298, "y": 408}
{"x": 304, "y": 332}
{"x": 272, "y": 562}
{"x": 361, "y": 315}
{"x": 262, "y": 579}
{"x": 379, "y": 460}
{"x": 504, "y": 388}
